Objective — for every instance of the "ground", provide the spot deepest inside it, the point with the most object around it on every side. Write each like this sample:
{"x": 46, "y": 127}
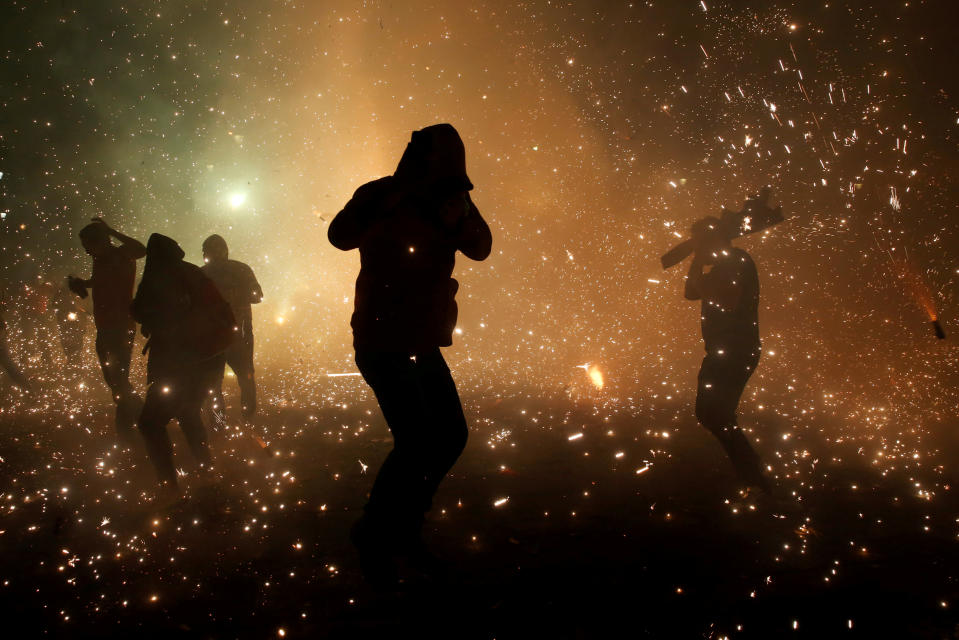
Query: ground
{"x": 563, "y": 519}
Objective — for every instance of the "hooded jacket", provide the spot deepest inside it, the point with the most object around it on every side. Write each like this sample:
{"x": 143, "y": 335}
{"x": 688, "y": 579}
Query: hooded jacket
{"x": 182, "y": 314}
{"x": 404, "y": 298}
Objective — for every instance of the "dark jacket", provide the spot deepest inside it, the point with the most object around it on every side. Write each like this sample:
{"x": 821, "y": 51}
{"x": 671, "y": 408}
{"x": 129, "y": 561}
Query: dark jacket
{"x": 238, "y": 286}
{"x": 404, "y": 298}
{"x": 732, "y": 332}
{"x": 185, "y": 318}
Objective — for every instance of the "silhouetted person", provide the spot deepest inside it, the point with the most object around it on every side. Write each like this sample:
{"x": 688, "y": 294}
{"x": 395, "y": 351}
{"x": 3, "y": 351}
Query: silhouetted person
{"x": 730, "y": 322}
{"x": 6, "y": 361}
{"x": 111, "y": 281}
{"x": 188, "y": 325}
{"x": 408, "y": 228}
{"x": 238, "y": 286}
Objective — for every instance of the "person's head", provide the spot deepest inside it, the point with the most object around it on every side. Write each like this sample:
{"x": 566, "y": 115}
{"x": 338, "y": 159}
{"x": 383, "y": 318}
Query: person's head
{"x": 710, "y": 238}
{"x": 215, "y": 249}
{"x": 162, "y": 251}
{"x": 435, "y": 159}
{"x": 95, "y": 238}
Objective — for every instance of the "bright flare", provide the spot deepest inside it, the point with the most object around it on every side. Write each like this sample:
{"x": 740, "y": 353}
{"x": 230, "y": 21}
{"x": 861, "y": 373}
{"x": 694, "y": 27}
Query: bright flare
{"x": 596, "y": 376}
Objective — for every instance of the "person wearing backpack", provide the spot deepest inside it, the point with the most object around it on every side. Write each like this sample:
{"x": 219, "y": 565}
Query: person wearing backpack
{"x": 188, "y": 326}
{"x": 408, "y": 228}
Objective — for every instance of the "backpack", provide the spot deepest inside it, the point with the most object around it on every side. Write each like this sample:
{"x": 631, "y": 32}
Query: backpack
{"x": 209, "y": 328}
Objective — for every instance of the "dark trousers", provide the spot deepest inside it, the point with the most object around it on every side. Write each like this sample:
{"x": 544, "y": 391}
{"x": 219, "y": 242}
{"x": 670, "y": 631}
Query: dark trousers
{"x": 114, "y": 348}
{"x": 239, "y": 356}
{"x": 181, "y": 396}
{"x": 722, "y": 379}
{"x": 422, "y": 408}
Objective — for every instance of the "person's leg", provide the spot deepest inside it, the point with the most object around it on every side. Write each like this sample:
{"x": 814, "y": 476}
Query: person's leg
{"x": 240, "y": 359}
{"x": 114, "y": 350}
{"x": 395, "y": 498}
{"x": 130, "y": 404}
{"x": 217, "y": 404}
{"x": 444, "y": 423}
{"x": 196, "y": 389}
{"x": 722, "y": 380}
{"x": 158, "y": 408}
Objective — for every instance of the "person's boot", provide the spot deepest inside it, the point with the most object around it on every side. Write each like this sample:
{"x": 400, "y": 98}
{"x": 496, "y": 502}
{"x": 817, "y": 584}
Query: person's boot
{"x": 376, "y": 558}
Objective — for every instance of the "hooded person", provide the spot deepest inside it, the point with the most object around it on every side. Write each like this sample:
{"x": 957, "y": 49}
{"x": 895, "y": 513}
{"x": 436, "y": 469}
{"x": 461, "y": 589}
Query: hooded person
{"x": 188, "y": 326}
{"x": 408, "y": 228}
{"x": 238, "y": 286}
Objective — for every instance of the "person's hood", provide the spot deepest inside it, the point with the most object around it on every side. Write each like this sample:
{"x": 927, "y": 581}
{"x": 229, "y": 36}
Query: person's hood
{"x": 434, "y": 156}
{"x": 161, "y": 249}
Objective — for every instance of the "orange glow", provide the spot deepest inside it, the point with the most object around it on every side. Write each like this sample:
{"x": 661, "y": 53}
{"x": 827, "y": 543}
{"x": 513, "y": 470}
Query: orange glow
{"x": 596, "y": 376}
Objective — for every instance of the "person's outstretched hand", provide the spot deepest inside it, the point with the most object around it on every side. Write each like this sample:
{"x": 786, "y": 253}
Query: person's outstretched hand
{"x": 77, "y": 286}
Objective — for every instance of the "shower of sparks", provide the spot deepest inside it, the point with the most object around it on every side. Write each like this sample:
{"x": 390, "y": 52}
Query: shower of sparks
{"x": 596, "y": 134}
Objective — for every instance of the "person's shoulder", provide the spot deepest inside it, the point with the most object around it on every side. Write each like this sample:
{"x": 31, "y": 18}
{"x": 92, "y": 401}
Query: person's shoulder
{"x": 237, "y": 268}
{"x": 375, "y": 188}
{"x": 192, "y": 271}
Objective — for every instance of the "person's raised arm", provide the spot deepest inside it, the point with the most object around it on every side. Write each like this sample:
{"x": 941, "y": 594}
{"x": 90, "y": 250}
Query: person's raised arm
{"x": 131, "y": 246}
{"x": 350, "y": 225}
{"x": 474, "y": 238}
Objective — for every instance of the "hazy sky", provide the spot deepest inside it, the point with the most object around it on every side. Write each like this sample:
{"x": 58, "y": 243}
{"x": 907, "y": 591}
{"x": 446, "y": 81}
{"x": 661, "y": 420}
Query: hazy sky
{"x": 595, "y": 132}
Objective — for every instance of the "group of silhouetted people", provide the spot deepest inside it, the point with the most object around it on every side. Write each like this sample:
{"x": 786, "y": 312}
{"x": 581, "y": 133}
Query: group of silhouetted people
{"x": 408, "y": 227}
{"x": 196, "y": 320}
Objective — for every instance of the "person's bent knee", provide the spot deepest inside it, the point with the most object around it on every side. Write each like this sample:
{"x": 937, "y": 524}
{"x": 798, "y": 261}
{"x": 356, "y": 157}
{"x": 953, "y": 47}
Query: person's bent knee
{"x": 458, "y": 438}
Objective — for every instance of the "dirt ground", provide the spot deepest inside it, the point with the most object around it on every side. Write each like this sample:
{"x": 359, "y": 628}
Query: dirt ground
{"x": 563, "y": 519}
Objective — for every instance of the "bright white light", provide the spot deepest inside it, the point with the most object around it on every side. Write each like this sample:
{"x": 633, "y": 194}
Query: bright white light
{"x": 237, "y": 200}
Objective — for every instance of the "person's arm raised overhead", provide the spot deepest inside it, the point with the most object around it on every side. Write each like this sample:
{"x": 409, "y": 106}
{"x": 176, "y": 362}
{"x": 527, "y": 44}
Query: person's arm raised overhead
{"x": 131, "y": 246}
{"x": 350, "y": 225}
{"x": 474, "y": 237}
